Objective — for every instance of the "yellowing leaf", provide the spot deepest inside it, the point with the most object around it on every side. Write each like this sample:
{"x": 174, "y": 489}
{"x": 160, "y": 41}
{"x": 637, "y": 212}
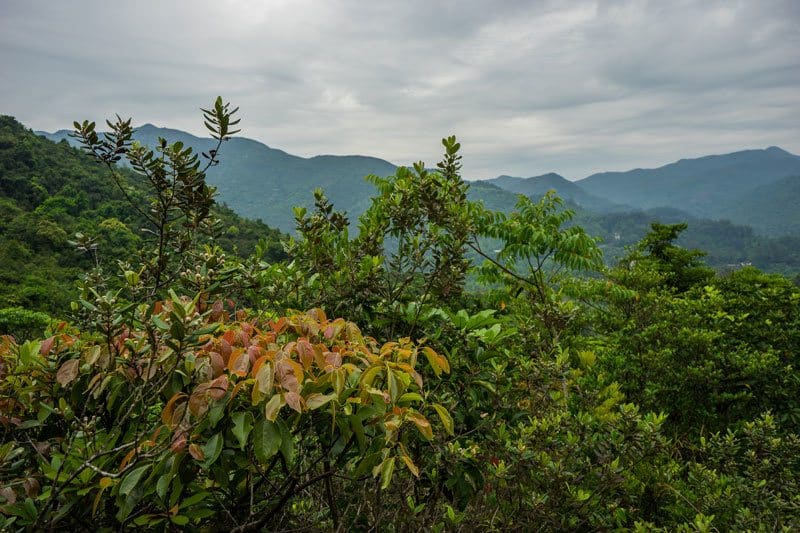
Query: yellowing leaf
{"x": 169, "y": 409}
{"x": 263, "y": 385}
{"x": 422, "y": 424}
{"x": 410, "y": 464}
{"x": 273, "y": 407}
{"x": 368, "y": 376}
{"x": 316, "y": 400}
{"x": 433, "y": 360}
{"x": 68, "y": 372}
{"x": 239, "y": 363}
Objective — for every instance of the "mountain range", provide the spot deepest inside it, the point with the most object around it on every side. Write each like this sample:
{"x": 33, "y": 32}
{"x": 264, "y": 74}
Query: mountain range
{"x": 758, "y": 188}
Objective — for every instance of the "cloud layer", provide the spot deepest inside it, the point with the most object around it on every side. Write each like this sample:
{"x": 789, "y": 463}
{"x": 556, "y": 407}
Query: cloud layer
{"x": 528, "y": 86}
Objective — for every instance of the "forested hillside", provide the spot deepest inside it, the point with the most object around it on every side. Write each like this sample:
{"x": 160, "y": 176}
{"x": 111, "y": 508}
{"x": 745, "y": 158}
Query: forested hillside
{"x": 264, "y": 183}
{"x": 49, "y": 194}
{"x": 356, "y": 386}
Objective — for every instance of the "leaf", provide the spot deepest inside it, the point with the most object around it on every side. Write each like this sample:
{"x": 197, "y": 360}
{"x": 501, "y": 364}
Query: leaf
{"x": 212, "y": 449}
{"x": 438, "y": 362}
{"x": 394, "y": 391}
{"x": 169, "y": 409}
{"x": 410, "y": 464}
{"x": 68, "y": 372}
{"x": 196, "y": 452}
{"x": 368, "y": 376}
{"x": 263, "y": 385}
{"x": 239, "y": 363}
{"x": 242, "y": 426}
{"x": 444, "y": 416}
{"x": 316, "y": 400}
{"x": 409, "y": 397}
{"x": 422, "y": 424}
{"x": 130, "y": 481}
{"x": 287, "y": 441}
{"x": 294, "y": 401}
{"x": 180, "y": 520}
{"x": 387, "y": 469}
{"x": 218, "y": 387}
{"x": 267, "y": 440}
{"x": 274, "y": 406}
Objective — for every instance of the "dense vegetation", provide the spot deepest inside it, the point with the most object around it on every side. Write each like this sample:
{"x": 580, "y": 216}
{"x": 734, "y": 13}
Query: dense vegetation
{"x": 362, "y": 384}
{"x": 61, "y": 214}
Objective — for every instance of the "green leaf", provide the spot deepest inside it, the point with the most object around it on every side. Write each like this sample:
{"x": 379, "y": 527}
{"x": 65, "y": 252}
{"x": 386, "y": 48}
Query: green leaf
{"x": 409, "y": 397}
{"x": 387, "y": 469}
{"x": 212, "y": 449}
{"x": 242, "y": 426}
{"x": 130, "y": 481}
{"x": 444, "y": 416}
{"x": 180, "y": 520}
{"x": 267, "y": 440}
{"x": 394, "y": 390}
{"x": 287, "y": 441}
{"x": 160, "y": 324}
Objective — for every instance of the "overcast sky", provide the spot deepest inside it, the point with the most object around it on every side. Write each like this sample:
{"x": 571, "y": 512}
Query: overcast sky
{"x": 528, "y": 87}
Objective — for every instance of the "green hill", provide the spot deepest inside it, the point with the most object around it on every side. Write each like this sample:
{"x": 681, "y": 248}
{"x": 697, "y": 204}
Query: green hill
{"x": 51, "y": 191}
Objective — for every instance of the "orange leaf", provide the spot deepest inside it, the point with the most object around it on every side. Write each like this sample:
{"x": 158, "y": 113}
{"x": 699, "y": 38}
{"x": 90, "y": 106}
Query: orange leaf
{"x": 196, "y": 452}
{"x": 47, "y": 345}
{"x": 239, "y": 363}
{"x": 169, "y": 409}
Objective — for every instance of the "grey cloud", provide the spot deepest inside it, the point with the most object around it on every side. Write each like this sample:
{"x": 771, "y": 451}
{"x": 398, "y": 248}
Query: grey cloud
{"x": 529, "y": 87}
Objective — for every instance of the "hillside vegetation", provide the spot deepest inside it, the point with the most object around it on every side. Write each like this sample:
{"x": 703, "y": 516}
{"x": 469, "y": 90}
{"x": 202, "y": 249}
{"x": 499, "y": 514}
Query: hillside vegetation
{"x": 357, "y": 386}
{"x": 50, "y": 193}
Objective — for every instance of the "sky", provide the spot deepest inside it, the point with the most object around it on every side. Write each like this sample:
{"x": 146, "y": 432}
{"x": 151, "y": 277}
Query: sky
{"x": 527, "y": 86}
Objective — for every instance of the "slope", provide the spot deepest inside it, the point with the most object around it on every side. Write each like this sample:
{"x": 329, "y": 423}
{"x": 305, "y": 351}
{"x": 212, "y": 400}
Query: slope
{"x": 51, "y": 191}
{"x": 770, "y": 209}
{"x": 699, "y": 186}
{"x": 264, "y": 183}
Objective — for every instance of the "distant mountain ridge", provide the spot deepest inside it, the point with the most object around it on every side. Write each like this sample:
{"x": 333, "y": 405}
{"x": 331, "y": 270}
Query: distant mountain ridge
{"x": 262, "y": 182}
{"x": 705, "y": 186}
{"x": 539, "y": 185}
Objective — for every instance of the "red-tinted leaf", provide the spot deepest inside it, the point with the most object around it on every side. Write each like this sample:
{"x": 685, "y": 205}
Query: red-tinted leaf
{"x": 68, "y": 372}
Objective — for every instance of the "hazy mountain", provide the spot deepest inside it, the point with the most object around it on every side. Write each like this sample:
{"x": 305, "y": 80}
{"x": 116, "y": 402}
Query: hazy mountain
{"x": 705, "y": 186}
{"x": 748, "y": 187}
{"x": 539, "y": 185}
{"x": 772, "y": 209}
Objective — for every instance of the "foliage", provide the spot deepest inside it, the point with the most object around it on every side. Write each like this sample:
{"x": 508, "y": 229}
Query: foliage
{"x": 219, "y": 410}
{"x": 23, "y": 324}
{"x": 50, "y": 192}
{"x": 541, "y": 391}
